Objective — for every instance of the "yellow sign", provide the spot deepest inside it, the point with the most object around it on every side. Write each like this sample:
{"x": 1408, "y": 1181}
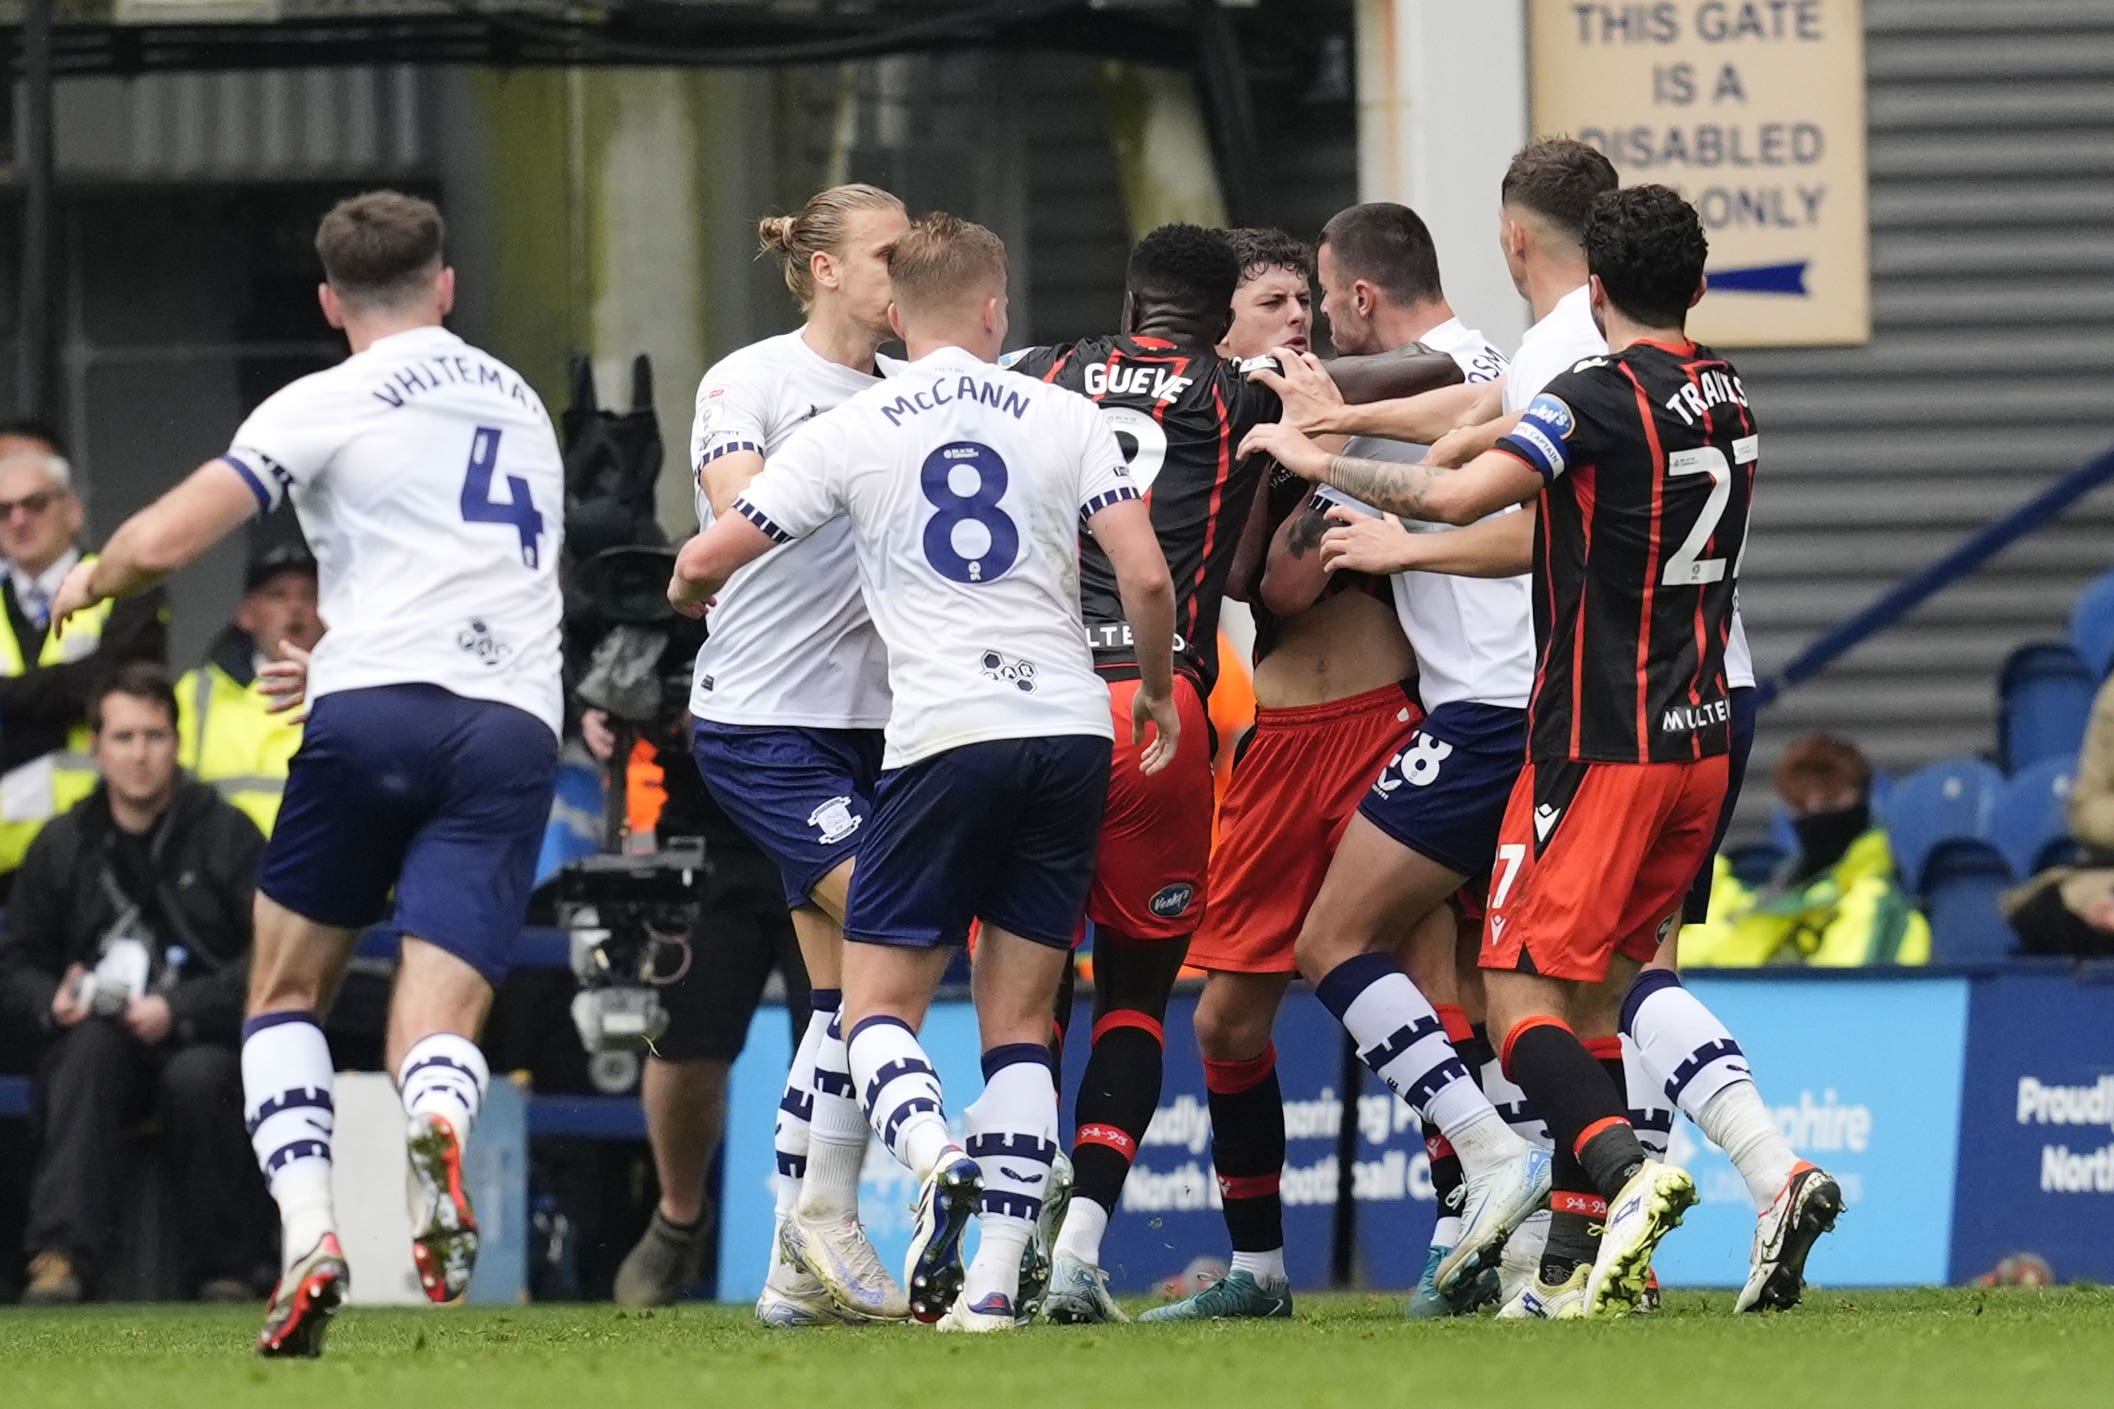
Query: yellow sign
{"x": 1753, "y": 110}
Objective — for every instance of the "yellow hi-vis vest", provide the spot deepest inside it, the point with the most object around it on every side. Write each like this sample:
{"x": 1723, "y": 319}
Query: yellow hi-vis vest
{"x": 225, "y": 737}
{"x": 33, "y": 793}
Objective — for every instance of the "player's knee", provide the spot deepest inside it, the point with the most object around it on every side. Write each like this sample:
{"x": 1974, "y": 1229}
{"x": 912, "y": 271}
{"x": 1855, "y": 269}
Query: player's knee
{"x": 1229, "y": 1029}
{"x": 1321, "y": 946}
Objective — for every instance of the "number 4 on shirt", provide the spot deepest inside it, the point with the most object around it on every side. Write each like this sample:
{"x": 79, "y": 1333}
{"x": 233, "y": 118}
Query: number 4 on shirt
{"x": 517, "y": 510}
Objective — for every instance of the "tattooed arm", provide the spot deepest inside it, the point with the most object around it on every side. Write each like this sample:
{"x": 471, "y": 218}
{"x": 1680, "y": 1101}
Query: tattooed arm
{"x": 1293, "y": 578}
{"x": 1482, "y": 486}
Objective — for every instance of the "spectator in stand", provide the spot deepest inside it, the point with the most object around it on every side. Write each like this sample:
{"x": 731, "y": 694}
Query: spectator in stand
{"x": 228, "y": 733}
{"x": 127, "y": 944}
{"x": 1836, "y": 903}
{"x": 45, "y": 680}
{"x": 2069, "y": 910}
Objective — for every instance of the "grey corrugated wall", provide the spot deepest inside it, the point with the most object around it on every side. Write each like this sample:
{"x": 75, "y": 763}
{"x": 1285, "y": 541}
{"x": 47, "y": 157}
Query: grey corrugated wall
{"x": 1990, "y": 373}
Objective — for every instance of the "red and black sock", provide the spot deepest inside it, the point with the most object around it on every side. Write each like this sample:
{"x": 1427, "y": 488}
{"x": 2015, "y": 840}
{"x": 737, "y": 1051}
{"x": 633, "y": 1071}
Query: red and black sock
{"x": 1588, "y": 1115}
{"x": 1248, "y": 1148}
{"x": 1117, "y": 1096}
{"x": 1576, "y": 1211}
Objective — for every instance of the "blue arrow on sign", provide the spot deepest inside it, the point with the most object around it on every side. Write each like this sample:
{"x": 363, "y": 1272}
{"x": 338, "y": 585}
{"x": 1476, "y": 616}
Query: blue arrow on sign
{"x": 1762, "y": 279}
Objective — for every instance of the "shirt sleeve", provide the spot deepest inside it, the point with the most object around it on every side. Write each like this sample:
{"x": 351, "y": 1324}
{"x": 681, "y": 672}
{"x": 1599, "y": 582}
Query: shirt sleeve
{"x": 287, "y": 441}
{"x": 1254, "y": 404}
{"x": 731, "y": 416}
{"x": 1556, "y": 431}
{"x": 1104, "y": 476}
{"x": 1033, "y": 362}
{"x": 798, "y": 490}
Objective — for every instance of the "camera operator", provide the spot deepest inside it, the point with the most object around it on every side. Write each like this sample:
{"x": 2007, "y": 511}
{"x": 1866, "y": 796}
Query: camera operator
{"x": 128, "y": 944}
{"x": 742, "y": 934}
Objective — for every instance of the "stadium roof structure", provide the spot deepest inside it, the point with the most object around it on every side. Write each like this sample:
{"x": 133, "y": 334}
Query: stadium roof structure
{"x": 125, "y": 37}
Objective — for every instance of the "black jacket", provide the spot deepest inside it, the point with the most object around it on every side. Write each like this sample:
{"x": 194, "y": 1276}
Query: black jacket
{"x": 207, "y": 853}
{"x": 40, "y": 705}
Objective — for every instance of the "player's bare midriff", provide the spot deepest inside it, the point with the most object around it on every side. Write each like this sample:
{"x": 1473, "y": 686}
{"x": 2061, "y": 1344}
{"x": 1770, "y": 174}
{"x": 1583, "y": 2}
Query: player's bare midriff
{"x": 1341, "y": 646}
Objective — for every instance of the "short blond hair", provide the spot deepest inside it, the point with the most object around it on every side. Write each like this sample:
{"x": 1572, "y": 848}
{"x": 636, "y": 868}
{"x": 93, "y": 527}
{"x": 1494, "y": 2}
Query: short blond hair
{"x": 381, "y": 247}
{"x": 822, "y": 226}
{"x": 944, "y": 260}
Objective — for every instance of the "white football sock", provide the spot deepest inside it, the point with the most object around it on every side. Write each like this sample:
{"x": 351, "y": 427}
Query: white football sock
{"x": 1401, "y": 1039}
{"x": 1738, "y": 1123}
{"x": 796, "y": 1108}
{"x": 444, "y": 1075}
{"x": 1267, "y": 1268}
{"x": 1085, "y": 1223}
{"x": 901, "y": 1093}
{"x": 837, "y": 1132}
{"x": 1650, "y": 1114}
{"x": 1013, "y": 1139}
{"x": 287, "y": 1101}
{"x": 1706, "y": 1074}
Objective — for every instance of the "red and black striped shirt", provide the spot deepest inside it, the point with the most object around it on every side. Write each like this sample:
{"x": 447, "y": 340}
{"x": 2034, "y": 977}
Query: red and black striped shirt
{"x": 1649, "y": 458}
{"x": 1180, "y": 413}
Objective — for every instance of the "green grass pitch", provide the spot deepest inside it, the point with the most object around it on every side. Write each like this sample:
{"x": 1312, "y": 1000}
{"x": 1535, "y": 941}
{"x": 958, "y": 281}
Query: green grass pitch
{"x": 1992, "y": 1350}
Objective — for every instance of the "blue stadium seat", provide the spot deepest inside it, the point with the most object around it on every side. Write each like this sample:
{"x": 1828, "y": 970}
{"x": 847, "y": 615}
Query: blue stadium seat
{"x": 2092, "y": 626}
{"x": 2044, "y": 698}
{"x": 1961, "y": 883}
{"x": 1755, "y": 862}
{"x": 2032, "y": 822}
{"x": 1953, "y": 799}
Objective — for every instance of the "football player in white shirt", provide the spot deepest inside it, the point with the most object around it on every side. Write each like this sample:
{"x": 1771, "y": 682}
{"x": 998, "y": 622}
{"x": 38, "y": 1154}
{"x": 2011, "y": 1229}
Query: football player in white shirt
{"x": 789, "y": 698}
{"x": 428, "y": 480}
{"x": 1677, "y": 1049}
{"x": 965, "y": 487}
{"x": 1429, "y": 822}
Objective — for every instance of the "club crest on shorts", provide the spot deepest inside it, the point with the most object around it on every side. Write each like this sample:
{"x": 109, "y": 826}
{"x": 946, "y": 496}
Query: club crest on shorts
{"x": 834, "y": 820}
{"x": 1172, "y": 901}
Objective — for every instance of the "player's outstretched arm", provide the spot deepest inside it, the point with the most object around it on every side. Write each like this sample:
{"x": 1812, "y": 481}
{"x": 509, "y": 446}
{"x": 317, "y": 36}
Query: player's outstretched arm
{"x": 1420, "y": 491}
{"x": 1124, "y": 531}
{"x": 1386, "y": 376}
{"x": 1314, "y": 392}
{"x": 708, "y": 560}
{"x": 210, "y": 503}
{"x": 1499, "y": 546}
{"x": 1423, "y": 419}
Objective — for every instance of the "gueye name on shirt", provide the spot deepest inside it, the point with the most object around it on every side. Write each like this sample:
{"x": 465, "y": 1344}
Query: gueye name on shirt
{"x": 1133, "y": 379}
{"x": 433, "y": 373}
{"x": 1686, "y": 719}
{"x": 968, "y": 388}
{"x": 1711, "y": 388}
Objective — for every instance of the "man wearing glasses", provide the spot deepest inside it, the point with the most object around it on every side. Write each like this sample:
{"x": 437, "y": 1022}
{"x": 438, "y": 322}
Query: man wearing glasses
{"x": 45, "y": 766}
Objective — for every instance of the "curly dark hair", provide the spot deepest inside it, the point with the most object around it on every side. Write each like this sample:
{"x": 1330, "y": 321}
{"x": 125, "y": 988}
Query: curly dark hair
{"x": 1186, "y": 268}
{"x": 1558, "y": 178}
{"x": 1263, "y": 249}
{"x": 1646, "y": 245}
{"x": 1388, "y": 246}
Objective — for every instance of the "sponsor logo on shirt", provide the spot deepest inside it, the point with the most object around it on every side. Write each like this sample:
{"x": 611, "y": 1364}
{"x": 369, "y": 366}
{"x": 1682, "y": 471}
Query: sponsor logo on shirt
{"x": 1172, "y": 901}
{"x": 476, "y": 639}
{"x": 834, "y": 820}
{"x": 1010, "y": 670}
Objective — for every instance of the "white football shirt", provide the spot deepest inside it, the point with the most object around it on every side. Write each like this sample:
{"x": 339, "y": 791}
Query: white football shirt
{"x": 429, "y": 483}
{"x": 1567, "y": 336}
{"x": 1474, "y": 637}
{"x": 964, "y": 486}
{"x": 791, "y": 643}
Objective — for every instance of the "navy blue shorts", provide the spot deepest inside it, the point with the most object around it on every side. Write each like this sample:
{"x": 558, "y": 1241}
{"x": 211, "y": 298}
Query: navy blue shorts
{"x": 1697, "y": 908}
{"x": 413, "y": 786}
{"x": 1004, "y": 831}
{"x": 1443, "y": 794}
{"x": 803, "y": 796}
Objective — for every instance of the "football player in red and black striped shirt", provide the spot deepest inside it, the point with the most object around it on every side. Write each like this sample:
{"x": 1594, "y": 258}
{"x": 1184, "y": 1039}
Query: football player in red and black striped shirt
{"x": 1644, "y": 464}
{"x": 1181, "y": 410}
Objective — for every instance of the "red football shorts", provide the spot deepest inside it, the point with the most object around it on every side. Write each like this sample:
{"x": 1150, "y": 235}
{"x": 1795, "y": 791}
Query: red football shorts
{"x": 1295, "y": 784}
{"x": 1156, "y": 834}
{"x": 1592, "y": 857}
